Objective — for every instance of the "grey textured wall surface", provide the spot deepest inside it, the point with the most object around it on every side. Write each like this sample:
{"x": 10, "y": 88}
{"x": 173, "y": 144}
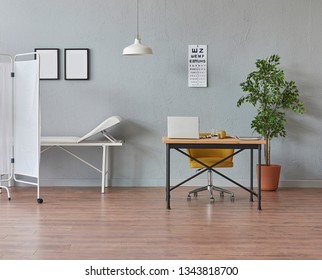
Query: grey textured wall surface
{"x": 145, "y": 90}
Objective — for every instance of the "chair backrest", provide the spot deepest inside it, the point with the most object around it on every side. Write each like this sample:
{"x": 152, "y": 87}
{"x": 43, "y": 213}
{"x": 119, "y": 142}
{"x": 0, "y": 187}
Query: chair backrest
{"x": 210, "y": 156}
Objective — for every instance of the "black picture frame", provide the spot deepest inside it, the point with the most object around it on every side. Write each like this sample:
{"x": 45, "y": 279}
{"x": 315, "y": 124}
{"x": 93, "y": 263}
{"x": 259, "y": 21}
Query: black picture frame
{"x": 76, "y": 63}
{"x": 49, "y": 63}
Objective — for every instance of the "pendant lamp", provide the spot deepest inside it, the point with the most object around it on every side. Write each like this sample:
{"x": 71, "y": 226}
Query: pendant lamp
{"x": 137, "y": 48}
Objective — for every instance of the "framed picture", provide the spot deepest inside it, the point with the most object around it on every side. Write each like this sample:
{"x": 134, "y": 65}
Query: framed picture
{"x": 76, "y": 64}
{"x": 49, "y": 63}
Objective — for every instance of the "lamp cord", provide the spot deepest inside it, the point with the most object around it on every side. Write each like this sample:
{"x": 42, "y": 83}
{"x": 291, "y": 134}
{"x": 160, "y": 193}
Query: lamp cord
{"x": 137, "y": 19}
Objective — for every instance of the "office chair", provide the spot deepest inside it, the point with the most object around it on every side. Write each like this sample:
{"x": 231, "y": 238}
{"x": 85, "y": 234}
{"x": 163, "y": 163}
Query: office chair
{"x": 210, "y": 157}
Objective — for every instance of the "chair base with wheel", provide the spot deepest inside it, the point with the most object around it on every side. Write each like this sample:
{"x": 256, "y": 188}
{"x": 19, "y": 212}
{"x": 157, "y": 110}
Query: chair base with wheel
{"x": 211, "y": 187}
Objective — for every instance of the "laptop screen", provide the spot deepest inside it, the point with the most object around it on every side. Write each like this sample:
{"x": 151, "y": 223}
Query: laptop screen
{"x": 183, "y": 127}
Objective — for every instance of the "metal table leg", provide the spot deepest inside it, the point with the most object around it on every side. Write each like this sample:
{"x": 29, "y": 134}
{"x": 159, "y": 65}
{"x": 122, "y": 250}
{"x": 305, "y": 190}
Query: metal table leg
{"x": 259, "y": 177}
{"x": 103, "y": 169}
{"x": 251, "y": 174}
{"x": 168, "y": 176}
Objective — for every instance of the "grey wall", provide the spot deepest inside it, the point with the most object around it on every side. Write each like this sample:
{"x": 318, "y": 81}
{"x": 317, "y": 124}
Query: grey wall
{"x": 145, "y": 90}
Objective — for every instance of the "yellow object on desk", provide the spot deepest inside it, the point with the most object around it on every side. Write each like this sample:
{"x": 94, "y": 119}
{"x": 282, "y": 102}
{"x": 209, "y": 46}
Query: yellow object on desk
{"x": 221, "y": 134}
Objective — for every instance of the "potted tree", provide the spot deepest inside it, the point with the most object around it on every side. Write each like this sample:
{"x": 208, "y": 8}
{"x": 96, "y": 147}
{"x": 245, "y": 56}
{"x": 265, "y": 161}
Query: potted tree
{"x": 272, "y": 95}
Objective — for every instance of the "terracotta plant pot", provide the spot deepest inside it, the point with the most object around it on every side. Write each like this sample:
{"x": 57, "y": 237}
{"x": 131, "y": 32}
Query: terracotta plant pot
{"x": 270, "y": 176}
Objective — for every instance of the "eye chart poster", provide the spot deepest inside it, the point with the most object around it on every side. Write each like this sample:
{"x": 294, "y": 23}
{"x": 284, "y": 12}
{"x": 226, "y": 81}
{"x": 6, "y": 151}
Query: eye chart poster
{"x": 197, "y": 66}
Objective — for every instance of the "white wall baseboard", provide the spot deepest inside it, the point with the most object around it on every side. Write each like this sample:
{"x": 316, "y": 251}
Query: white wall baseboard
{"x": 161, "y": 182}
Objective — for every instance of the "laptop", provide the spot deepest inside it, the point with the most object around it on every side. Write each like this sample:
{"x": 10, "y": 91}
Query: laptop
{"x": 183, "y": 127}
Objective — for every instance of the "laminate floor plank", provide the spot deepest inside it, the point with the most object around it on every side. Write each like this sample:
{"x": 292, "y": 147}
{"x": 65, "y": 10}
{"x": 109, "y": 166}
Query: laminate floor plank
{"x": 133, "y": 223}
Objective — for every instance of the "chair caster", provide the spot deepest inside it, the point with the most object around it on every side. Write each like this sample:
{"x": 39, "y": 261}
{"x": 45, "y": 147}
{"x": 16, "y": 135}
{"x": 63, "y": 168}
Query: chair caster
{"x": 212, "y": 200}
{"x": 189, "y": 197}
{"x": 40, "y": 200}
{"x": 195, "y": 194}
{"x": 232, "y": 198}
{"x": 222, "y": 194}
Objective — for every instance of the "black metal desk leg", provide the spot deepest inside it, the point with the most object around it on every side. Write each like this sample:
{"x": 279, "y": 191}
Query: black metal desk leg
{"x": 251, "y": 174}
{"x": 167, "y": 187}
{"x": 259, "y": 177}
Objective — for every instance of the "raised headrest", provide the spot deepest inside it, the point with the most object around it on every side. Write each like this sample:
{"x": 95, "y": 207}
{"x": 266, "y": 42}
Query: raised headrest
{"x": 106, "y": 124}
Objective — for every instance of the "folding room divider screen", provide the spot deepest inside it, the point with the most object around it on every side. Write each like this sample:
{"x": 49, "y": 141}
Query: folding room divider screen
{"x": 20, "y": 119}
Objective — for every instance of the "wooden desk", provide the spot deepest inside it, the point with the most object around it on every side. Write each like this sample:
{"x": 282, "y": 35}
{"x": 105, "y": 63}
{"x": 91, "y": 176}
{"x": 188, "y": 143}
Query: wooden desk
{"x": 212, "y": 143}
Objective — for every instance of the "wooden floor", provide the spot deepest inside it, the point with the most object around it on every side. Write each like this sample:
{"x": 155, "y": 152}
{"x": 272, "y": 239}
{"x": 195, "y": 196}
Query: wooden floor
{"x": 133, "y": 223}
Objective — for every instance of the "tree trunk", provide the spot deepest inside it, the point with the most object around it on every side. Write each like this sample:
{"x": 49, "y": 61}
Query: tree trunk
{"x": 267, "y": 152}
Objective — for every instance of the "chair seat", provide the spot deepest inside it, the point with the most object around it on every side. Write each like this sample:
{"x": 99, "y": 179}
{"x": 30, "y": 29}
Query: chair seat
{"x": 210, "y": 161}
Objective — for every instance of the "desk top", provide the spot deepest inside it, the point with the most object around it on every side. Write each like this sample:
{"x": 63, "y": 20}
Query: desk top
{"x": 228, "y": 140}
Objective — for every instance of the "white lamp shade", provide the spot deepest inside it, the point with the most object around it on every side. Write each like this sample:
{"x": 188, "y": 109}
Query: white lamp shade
{"x": 137, "y": 49}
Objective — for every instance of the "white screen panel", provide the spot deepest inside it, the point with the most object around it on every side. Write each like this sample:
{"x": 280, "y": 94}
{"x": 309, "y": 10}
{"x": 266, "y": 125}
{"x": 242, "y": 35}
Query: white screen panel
{"x": 26, "y": 118}
{"x": 5, "y": 117}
